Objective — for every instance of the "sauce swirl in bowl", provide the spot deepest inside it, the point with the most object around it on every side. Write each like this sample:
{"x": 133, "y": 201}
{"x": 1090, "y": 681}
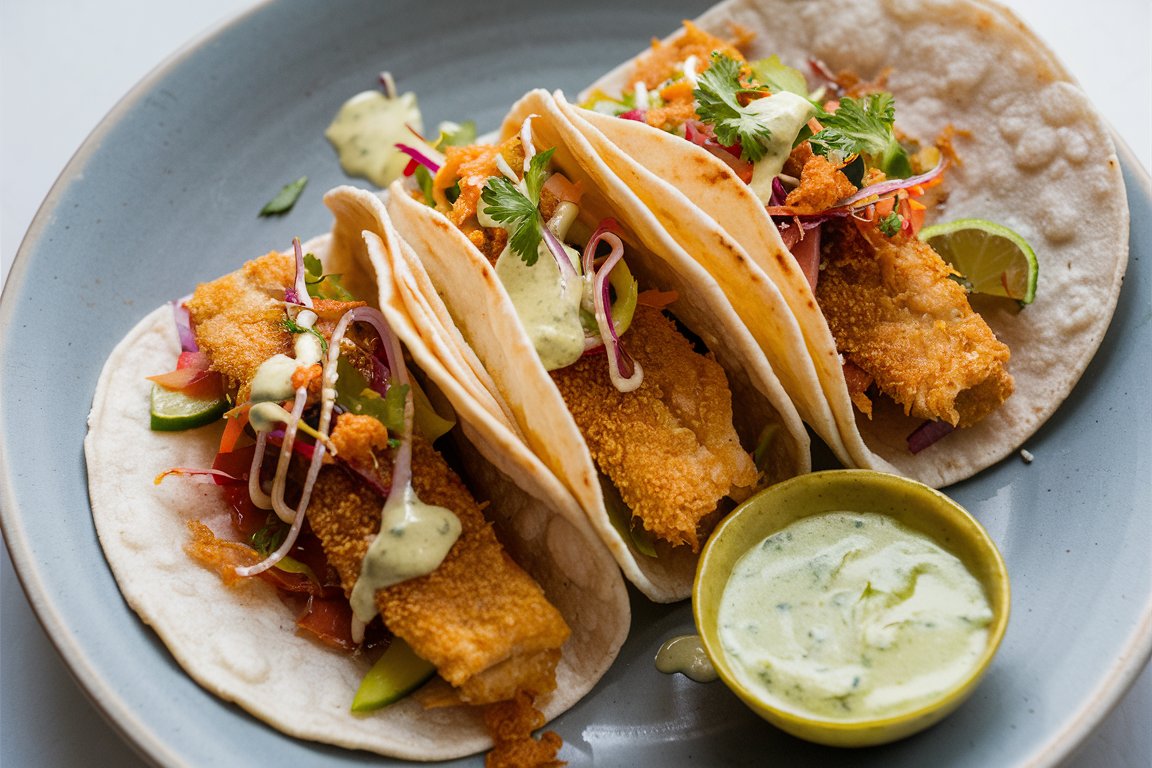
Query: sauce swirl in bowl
{"x": 851, "y": 607}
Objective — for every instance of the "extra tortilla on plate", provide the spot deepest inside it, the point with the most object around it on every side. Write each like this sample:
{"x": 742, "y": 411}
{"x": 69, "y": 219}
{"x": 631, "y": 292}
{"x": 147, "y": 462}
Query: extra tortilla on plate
{"x": 1034, "y": 156}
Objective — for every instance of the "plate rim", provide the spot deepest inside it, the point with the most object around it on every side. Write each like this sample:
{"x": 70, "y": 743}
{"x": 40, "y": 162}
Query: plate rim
{"x": 114, "y": 707}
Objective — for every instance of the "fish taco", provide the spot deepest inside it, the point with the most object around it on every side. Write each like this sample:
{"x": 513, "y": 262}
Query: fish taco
{"x": 308, "y": 552}
{"x": 621, "y": 362}
{"x": 816, "y": 139}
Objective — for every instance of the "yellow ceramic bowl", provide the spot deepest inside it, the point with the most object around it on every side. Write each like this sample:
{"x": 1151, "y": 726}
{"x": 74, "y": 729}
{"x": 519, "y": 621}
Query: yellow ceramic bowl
{"x": 916, "y": 506}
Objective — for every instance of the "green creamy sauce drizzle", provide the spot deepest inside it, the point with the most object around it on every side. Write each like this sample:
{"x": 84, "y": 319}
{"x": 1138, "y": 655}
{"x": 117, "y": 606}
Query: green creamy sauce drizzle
{"x": 784, "y": 114}
{"x": 413, "y": 540}
{"x": 851, "y": 616}
{"x": 547, "y": 305}
{"x": 685, "y": 654}
{"x": 366, "y": 130}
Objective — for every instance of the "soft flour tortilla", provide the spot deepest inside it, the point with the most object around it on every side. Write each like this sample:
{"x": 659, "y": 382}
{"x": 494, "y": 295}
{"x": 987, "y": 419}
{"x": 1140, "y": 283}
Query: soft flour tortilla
{"x": 240, "y": 643}
{"x": 1034, "y": 154}
{"x": 454, "y": 272}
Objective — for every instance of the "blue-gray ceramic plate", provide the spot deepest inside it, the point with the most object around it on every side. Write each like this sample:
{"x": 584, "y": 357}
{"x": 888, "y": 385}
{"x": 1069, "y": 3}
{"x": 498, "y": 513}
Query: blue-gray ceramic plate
{"x": 165, "y": 194}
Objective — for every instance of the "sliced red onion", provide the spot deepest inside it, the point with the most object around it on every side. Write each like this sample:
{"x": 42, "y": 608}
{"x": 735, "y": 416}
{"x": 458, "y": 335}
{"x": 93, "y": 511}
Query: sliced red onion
{"x": 779, "y": 194}
{"x": 255, "y": 491}
{"x": 928, "y": 433}
{"x": 809, "y": 219}
{"x": 556, "y": 248}
{"x": 184, "y": 325}
{"x": 626, "y": 373}
{"x": 401, "y": 469}
{"x": 402, "y": 465}
{"x": 421, "y": 158}
{"x": 298, "y": 293}
{"x": 387, "y": 84}
{"x": 639, "y": 115}
{"x": 891, "y": 185}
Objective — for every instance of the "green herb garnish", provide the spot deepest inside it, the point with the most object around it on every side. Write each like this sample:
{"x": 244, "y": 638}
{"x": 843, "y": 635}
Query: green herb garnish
{"x": 292, "y": 326}
{"x": 718, "y": 104}
{"x": 285, "y": 198}
{"x": 863, "y": 127}
{"x": 424, "y": 179}
{"x": 354, "y": 395}
{"x": 320, "y": 285}
{"x": 890, "y": 224}
{"x": 269, "y": 538}
{"x": 519, "y": 211}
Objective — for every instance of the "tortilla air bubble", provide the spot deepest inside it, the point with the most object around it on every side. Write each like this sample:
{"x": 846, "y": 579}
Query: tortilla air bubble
{"x": 235, "y": 654}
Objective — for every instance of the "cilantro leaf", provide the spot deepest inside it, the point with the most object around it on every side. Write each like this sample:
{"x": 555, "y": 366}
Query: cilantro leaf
{"x": 320, "y": 285}
{"x": 292, "y": 326}
{"x": 537, "y": 174}
{"x": 270, "y": 536}
{"x": 518, "y": 211}
{"x": 424, "y": 179}
{"x": 355, "y": 395}
{"x": 890, "y": 224}
{"x": 717, "y": 103}
{"x": 863, "y": 127}
{"x": 285, "y": 198}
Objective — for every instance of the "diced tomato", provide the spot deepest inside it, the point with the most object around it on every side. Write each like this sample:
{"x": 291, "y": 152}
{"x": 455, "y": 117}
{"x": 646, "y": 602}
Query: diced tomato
{"x": 192, "y": 377}
{"x": 564, "y": 190}
{"x": 329, "y": 619}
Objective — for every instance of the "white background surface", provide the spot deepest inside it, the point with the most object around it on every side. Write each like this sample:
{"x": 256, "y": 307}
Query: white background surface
{"x": 65, "y": 63}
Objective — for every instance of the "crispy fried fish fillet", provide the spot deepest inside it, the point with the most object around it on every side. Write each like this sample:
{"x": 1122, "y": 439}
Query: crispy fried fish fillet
{"x": 479, "y": 617}
{"x": 669, "y": 446}
{"x": 896, "y": 314}
{"x": 239, "y": 318}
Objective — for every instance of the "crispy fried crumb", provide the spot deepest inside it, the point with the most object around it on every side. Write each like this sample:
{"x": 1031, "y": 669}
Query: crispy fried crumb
{"x": 511, "y": 724}
{"x": 238, "y": 318}
{"x": 821, "y": 186}
{"x": 216, "y": 554}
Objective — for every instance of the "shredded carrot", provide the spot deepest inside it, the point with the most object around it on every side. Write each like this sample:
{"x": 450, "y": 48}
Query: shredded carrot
{"x": 656, "y": 298}
{"x": 234, "y": 423}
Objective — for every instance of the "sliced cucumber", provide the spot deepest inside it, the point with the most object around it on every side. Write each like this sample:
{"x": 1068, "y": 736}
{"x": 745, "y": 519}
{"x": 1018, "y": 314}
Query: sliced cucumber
{"x": 398, "y": 672}
{"x": 173, "y": 410}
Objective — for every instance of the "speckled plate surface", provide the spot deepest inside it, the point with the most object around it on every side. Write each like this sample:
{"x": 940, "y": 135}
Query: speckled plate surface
{"x": 165, "y": 194}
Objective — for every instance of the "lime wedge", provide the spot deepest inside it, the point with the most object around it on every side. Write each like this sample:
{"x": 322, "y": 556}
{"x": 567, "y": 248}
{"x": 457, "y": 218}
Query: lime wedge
{"x": 993, "y": 259}
{"x": 173, "y": 411}
{"x": 395, "y": 674}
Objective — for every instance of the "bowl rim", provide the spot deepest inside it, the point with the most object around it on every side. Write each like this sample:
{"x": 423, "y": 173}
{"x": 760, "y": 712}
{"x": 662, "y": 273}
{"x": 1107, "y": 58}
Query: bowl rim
{"x": 995, "y": 581}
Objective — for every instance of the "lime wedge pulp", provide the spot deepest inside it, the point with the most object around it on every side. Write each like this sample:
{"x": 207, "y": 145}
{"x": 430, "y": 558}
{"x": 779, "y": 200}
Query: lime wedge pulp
{"x": 992, "y": 258}
{"x": 173, "y": 410}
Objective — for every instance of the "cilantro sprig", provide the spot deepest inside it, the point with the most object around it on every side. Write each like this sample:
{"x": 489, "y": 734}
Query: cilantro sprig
{"x": 890, "y": 225}
{"x": 863, "y": 127}
{"x": 717, "y": 95}
{"x": 285, "y": 198}
{"x": 519, "y": 211}
{"x": 320, "y": 285}
{"x": 292, "y": 326}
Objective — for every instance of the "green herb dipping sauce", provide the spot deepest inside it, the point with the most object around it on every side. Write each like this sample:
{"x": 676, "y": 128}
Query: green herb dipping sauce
{"x": 851, "y": 616}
